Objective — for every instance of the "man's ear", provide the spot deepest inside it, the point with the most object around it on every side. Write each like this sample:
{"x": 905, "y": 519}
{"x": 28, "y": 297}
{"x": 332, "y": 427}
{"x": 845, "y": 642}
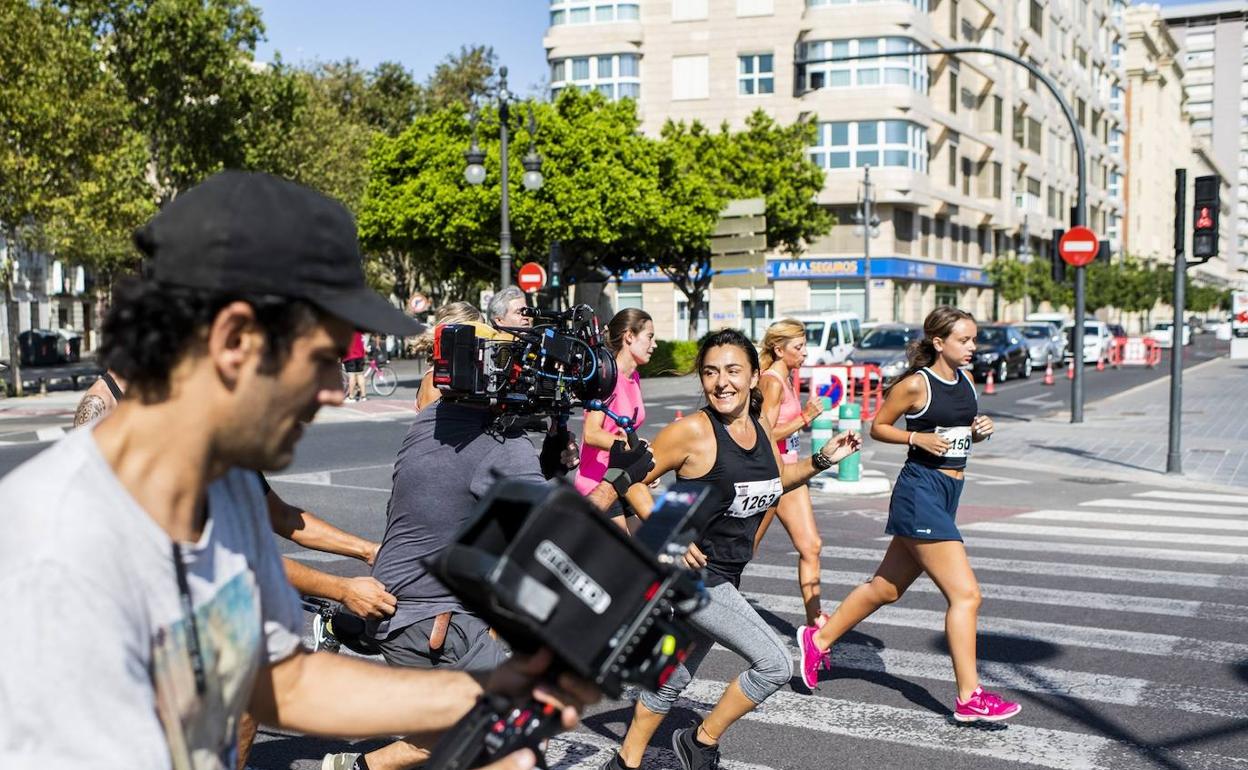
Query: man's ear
{"x": 233, "y": 338}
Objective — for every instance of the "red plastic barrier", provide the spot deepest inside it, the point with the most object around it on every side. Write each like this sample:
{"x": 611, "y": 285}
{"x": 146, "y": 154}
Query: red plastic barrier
{"x": 1134, "y": 351}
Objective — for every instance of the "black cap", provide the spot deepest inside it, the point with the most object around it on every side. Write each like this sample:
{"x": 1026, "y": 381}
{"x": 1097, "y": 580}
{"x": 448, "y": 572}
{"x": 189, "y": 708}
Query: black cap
{"x": 258, "y": 234}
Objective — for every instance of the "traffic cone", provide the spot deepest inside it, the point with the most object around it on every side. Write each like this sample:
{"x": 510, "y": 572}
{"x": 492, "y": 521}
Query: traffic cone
{"x": 679, "y": 415}
{"x": 1048, "y": 373}
{"x": 1100, "y": 364}
{"x": 1070, "y": 370}
{"x": 990, "y": 389}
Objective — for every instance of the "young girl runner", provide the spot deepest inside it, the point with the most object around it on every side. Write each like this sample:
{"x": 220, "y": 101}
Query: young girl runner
{"x": 728, "y": 447}
{"x": 939, "y": 402}
{"x": 630, "y": 336}
{"x": 783, "y": 350}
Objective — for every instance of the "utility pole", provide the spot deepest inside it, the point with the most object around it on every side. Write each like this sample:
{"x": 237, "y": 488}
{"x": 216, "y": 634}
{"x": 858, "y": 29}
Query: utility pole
{"x": 1174, "y": 454}
{"x": 866, "y": 219}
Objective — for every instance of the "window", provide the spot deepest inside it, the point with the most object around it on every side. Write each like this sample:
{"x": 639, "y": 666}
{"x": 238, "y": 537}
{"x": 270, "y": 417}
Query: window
{"x": 593, "y": 11}
{"x": 755, "y": 74}
{"x": 997, "y": 107}
{"x": 903, "y": 224}
{"x": 1037, "y": 17}
{"x": 909, "y": 70}
{"x": 922, "y": 5}
{"x": 946, "y": 295}
{"x": 690, "y": 77}
{"x": 897, "y": 143}
{"x": 1199, "y": 41}
{"x": 1200, "y": 92}
{"x": 953, "y": 19}
{"x": 629, "y": 295}
{"x": 967, "y": 174}
{"x": 1020, "y": 129}
{"x": 616, "y": 76}
{"x": 689, "y": 10}
{"x": 996, "y": 180}
{"x": 1081, "y": 112}
{"x": 837, "y": 295}
{"x": 952, "y": 153}
{"x": 755, "y": 7}
{"x": 1034, "y": 135}
{"x": 953, "y": 92}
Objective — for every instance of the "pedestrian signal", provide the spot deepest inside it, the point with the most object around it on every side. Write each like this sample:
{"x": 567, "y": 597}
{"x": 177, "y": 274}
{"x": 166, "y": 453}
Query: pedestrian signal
{"x": 1205, "y": 230}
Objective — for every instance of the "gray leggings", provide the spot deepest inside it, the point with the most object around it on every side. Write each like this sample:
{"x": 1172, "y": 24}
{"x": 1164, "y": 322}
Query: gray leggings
{"x": 729, "y": 620}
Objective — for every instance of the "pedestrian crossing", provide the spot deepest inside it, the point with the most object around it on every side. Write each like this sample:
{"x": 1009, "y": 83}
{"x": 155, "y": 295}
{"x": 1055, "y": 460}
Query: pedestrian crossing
{"x": 1133, "y": 609}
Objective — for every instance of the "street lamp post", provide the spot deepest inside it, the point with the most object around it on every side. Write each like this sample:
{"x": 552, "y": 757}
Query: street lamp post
{"x": 474, "y": 171}
{"x": 865, "y": 218}
{"x": 1078, "y": 214}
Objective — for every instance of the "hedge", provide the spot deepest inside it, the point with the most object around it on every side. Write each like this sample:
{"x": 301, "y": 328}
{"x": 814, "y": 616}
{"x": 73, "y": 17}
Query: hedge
{"x": 671, "y": 357}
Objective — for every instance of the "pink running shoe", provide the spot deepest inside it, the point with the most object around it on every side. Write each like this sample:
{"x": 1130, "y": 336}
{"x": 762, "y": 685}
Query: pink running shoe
{"x": 811, "y": 657}
{"x": 985, "y": 706}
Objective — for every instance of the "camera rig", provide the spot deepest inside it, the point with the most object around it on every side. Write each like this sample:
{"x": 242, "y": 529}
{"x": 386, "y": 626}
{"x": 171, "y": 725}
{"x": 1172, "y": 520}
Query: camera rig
{"x": 544, "y": 568}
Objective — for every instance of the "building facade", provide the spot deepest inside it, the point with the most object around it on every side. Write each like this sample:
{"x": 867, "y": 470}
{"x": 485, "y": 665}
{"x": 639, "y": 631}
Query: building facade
{"x": 1214, "y": 40}
{"x": 970, "y": 157}
{"x": 46, "y": 294}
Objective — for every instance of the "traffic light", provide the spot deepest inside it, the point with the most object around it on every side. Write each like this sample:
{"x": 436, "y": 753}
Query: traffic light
{"x": 1205, "y": 219}
{"x": 1059, "y": 264}
{"x": 1102, "y": 253}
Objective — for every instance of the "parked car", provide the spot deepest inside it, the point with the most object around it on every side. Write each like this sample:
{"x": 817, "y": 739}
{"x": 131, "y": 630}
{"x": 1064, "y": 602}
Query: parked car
{"x": 1117, "y": 332}
{"x": 1002, "y": 350}
{"x": 830, "y": 335}
{"x": 1060, "y": 320}
{"x": 885, "y": 347}
{"x": 1163, "y": 333}
{"x": 1096, "y": 341}
{"x": 1045, "y": 342}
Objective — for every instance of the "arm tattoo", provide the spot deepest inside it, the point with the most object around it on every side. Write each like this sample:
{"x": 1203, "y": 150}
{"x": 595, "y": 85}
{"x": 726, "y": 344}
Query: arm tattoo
{"x": 90, "y": 408}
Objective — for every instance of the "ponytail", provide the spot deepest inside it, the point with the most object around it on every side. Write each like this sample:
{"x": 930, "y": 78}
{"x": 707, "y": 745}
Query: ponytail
{"x": 922, "y": 353}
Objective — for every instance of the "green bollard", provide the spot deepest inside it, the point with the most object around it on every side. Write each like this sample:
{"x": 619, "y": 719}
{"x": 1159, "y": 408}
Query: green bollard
{"x": 823, "y": 427}
{"x": 850, "y": 469}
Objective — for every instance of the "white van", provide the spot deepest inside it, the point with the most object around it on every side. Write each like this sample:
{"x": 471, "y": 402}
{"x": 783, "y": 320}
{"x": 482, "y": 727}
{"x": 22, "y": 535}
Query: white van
{"x": 1096, "y": 340}
{"x": 830, "y": 335}
{"x": 1059, "y": 320}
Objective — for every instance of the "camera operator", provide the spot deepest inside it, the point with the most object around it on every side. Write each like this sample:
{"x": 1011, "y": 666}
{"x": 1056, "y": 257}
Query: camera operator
{"x": 154, "y": 602}
{"x": 451, "y": 456}
{"x": 507, "y": 308}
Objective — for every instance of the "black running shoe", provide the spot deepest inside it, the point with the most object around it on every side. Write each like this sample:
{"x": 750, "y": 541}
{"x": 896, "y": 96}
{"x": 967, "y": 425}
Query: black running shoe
{"x": 693, "y": 755}
{"x": 615, "y": 763}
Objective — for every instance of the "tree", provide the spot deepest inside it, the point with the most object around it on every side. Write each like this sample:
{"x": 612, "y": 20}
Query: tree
{"x": 460, "y": 77}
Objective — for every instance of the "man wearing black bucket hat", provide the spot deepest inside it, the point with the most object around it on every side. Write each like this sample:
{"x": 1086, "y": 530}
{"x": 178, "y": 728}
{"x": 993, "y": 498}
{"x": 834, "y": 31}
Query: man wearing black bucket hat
{"x": 153, "y": 603}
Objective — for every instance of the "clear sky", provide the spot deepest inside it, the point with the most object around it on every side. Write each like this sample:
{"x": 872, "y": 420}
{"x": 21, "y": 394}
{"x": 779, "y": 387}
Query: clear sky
{"x": 416, "y": 33}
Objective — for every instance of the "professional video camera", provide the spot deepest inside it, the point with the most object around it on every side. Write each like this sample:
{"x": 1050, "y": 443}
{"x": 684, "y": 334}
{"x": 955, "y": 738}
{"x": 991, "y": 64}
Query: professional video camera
{"x": 546, "y": 569}
{"x": 557, "y": 364}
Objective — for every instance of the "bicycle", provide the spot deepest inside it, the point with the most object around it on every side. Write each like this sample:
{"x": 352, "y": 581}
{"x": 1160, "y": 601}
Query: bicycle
{"x": 380, "y": 376}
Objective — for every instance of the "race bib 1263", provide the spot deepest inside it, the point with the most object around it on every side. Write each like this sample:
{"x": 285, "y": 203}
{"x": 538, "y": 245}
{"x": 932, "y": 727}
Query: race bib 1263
{"x": 959, "y": 439}
{"x": 755, "y": 497}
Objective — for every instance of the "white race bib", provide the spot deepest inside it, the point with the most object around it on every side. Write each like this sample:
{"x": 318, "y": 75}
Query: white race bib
{"x": 793, "y": 444}
{"x": 755, "y": 497}
{"x": 959, "y": 440}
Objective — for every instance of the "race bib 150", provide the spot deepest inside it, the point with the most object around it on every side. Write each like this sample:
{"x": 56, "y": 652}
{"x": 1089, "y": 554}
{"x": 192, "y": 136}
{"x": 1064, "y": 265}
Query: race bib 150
{"x": 755, "y": 497}
{"x": 959, "y": 439}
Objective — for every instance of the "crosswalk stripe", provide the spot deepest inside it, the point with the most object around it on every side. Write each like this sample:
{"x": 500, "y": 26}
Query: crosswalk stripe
{"x": 1149, "y": 605}
{"x": 1135, "y": 520}
{"x": 1044, "y": 747}
{"x": 1179, "y": 538}
{"x": 1178, "y": 494}
{"x": 1100, "y": 550}
{"x": 1056, "y": 634}
{"x": 588, "y": 751}
{"x": 1168, "y": 505}
{"x": 1065, "y": 569}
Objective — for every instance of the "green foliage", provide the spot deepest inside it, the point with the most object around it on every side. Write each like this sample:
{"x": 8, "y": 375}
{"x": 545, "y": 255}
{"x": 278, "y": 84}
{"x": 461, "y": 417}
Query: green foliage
{"x": 671, "y": 357}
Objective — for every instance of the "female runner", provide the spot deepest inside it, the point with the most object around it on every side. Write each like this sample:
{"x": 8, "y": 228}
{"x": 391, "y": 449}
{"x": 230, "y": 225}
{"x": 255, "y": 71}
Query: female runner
{"x": 940, "y": 405}
{"x": 727, "y": 446}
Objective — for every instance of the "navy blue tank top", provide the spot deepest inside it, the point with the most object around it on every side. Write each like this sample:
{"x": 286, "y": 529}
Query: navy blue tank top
{"x": 744, "y": 484}
{"x": 950, "y": 410}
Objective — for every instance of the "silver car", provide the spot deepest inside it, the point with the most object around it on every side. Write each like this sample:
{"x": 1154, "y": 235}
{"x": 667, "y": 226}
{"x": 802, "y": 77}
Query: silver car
{"x": 885, "y": 347}
{"x": 1045, "y": 342}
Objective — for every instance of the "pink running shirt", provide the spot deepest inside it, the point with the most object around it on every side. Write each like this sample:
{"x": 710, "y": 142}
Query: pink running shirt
{"x": 594, "y": 460}
{"x": 790, "y": 409}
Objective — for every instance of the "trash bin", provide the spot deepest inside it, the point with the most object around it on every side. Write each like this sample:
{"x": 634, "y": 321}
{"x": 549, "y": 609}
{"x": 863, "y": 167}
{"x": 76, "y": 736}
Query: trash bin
{"x": 38, "y": 347}
{"x": 69, "y": 346}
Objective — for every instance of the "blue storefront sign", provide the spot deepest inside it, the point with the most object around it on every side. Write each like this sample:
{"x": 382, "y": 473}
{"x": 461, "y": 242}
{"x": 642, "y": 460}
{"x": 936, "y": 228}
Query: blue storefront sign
{"x": 881, "y": 267}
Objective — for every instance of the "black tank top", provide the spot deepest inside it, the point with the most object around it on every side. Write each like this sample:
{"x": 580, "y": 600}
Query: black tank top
{"x": 951, "y": 408}
{"x": 744, "y": 484}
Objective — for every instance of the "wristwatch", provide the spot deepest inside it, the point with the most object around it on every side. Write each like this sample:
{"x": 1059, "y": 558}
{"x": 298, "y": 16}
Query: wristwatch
{"x": 618, "y": 479}
{"x": 822, "y": 462}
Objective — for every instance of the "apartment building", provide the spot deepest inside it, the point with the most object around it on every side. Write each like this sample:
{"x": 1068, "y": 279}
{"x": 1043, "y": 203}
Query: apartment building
{"x": 1214, "y": 40}
{"x": 48, "y": 294}
{"x": 970, "y": 157}
{"x": 1160, "y": 139}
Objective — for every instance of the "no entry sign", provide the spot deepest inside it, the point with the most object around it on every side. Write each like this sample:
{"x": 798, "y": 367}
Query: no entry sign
{"x": 532, "y": 277}
{"x": 1078, "y": 246}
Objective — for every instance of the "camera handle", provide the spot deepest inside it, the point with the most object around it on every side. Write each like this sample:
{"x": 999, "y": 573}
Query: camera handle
{"x": 496, "y": 727}
{"x": 627, "y": 424}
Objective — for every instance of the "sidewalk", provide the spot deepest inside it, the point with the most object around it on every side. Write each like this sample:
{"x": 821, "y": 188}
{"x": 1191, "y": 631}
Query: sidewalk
{"x": 1126, "y": 435}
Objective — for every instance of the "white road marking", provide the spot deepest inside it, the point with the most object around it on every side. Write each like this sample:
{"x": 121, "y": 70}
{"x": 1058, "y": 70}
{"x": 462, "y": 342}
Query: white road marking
{"x": 49, "y": 434}
{"x": 1168, "y": 505}
{"x": 588, "y": 751}
{"x": 1178, "y": 538}
{"x": 1204, "y": 497}
{"x": 1148, "y": 605}
{"x": 1134, "y": 520}
{"x": 1057, "y": 634}
{"x": 1099, "y": 550}
{"x": 1066, "y": 569}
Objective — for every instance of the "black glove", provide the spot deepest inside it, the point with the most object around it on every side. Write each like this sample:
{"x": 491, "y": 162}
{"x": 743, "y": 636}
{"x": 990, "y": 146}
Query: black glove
{"x": 553, "y": 447}
{"x": 631, "y": 465}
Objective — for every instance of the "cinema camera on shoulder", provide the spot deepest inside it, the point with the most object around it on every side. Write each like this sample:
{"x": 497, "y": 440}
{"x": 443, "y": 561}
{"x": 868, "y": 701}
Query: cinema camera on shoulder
{"x": 552, "y": 367}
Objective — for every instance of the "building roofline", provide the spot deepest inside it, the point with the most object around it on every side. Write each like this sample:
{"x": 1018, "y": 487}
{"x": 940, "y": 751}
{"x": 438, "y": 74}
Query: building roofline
{"x": 1213, "y": 9}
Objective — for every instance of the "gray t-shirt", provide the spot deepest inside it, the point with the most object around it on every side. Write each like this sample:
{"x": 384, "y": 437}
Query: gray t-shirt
{"x": 447, "y": 463}
{"x": 97, "y": 671}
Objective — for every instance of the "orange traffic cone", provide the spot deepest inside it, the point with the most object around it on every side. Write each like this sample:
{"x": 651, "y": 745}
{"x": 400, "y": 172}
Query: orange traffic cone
{"x": 1100, "y": 364}
{"x": 679, "y": 415}
{"x": 990, "y": 389}
{"x": 1070, "y": 370}
{"x": 1048, "y": 373}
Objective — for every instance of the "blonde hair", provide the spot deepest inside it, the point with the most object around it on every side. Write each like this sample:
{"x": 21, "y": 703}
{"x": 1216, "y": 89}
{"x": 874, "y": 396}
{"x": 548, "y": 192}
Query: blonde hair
{"x": 450, "y": 313}
{"x": 778, "y": 335}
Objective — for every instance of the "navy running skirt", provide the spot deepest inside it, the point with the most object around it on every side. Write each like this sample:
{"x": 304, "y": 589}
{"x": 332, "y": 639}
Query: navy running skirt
{"x": 924, "y": 504}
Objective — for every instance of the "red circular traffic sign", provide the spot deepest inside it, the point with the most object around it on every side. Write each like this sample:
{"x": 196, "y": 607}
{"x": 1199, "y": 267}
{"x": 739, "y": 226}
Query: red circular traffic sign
{"x": 1078, "y": 246}
{"x": 531, "y": 277}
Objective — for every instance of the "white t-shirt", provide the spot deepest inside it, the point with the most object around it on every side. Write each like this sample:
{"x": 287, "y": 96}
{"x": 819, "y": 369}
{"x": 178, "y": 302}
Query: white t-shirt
{"x": 95, "y": 671}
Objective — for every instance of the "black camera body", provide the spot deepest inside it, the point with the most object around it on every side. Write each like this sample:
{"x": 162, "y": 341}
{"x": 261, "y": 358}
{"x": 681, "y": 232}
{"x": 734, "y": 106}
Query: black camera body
{"x": 549, "y": 368}
{"x": 544, "y": 568}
